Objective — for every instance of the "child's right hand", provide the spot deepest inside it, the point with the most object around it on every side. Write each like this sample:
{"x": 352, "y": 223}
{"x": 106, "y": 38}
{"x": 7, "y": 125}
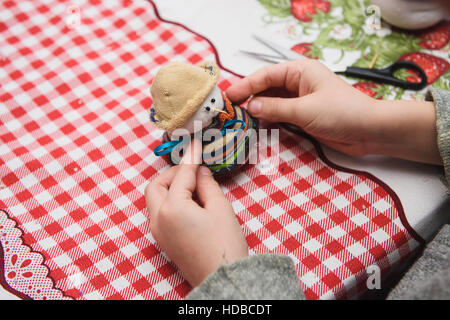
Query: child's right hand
{"x": 309, "y": 95}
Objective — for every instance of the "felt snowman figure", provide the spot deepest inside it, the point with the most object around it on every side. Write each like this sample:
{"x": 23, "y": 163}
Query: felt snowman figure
{"x": 186, "y": 100}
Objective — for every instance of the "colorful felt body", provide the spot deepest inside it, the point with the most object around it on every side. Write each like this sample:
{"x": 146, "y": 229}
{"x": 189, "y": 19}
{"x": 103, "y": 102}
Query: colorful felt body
{"x": 233, "y": 149}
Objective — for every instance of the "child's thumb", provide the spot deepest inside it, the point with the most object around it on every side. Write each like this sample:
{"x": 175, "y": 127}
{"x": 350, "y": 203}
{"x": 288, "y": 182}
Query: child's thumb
{"x": 275, "y": 109}
{"x": 208, "y": 190}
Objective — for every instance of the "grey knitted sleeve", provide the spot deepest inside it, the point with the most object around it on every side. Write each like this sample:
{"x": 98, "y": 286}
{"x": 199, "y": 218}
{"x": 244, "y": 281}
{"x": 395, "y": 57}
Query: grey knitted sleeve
{"x": 429, "y": 276}
{"x": 441, "y": 100}
{"x": 258, "y": 277}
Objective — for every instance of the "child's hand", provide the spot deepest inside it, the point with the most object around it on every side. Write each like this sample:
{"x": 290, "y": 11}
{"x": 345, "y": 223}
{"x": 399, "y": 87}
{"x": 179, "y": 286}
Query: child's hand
{"x": 198, "y": 236}
{"x": 307, "y": 94}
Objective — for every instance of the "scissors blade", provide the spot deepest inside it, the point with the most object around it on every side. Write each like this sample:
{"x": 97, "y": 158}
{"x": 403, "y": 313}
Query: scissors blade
{"x": 290, "y": 55}
{"x": 287, "y": 54}
{"x": 266, "y": 57}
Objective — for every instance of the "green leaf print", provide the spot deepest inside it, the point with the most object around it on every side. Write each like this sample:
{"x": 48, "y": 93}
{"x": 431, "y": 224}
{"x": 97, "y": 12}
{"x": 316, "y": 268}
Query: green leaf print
{"x": 277, "y": 8}
{"x": 443, "y": 82}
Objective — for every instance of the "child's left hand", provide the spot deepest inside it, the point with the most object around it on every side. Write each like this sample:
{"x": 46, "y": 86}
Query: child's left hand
{"x": 198, "y": 236}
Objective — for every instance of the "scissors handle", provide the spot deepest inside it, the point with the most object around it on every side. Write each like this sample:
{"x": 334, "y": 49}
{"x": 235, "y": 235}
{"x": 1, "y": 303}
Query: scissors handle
{"x": 386, "y": 75}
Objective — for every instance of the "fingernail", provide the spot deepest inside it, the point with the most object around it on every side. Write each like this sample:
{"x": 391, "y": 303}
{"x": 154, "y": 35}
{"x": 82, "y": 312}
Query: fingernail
{"x": 205, "y": 171}
{"x": 254, "y": 106}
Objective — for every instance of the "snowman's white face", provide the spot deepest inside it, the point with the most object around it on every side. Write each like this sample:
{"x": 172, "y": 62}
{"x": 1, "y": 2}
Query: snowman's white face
{"x": 206, "y": 112}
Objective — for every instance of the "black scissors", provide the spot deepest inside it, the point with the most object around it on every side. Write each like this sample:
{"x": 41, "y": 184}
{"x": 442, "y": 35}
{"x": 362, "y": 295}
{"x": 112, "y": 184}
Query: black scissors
{"x": 385, "y": 75}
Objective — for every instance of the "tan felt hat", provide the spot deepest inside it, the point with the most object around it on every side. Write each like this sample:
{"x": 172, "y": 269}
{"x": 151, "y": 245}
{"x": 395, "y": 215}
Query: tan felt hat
{"x": 178, "y": 90}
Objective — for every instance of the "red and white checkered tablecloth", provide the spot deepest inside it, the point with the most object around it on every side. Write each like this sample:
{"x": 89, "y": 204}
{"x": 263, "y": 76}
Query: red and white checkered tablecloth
{"x": 76, "y": 155}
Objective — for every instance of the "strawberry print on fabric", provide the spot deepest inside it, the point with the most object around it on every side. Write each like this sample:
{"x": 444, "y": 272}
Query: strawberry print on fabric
{"x": 369, "y": 88}
{"x": 435, "y": 37}
{"x": 342, "y": 31}
{"x": 434, "y": 67}
{"x": 304, "y": 49}
{"x": 304, "y": 9}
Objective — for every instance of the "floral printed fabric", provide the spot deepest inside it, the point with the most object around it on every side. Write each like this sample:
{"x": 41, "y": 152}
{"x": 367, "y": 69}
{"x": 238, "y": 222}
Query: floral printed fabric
{"x": 350, "y": 32}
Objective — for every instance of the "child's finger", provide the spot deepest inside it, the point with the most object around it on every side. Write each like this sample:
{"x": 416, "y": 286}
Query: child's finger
{"x": 157, "y": 190}
{"x": 263, "y": 79}
{"x": 208, "y": 190}
{"x": 292, "y": 110}
{"x": 185, "y": 180}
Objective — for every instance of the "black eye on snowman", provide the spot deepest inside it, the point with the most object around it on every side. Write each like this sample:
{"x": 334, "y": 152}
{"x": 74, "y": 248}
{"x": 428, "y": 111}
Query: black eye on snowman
{"x": 213, "y": 100}
{"x": 208, "y": 109}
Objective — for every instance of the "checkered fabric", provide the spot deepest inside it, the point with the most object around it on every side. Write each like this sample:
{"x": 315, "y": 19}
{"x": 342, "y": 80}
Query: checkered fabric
{"x": 76, "y": 155}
